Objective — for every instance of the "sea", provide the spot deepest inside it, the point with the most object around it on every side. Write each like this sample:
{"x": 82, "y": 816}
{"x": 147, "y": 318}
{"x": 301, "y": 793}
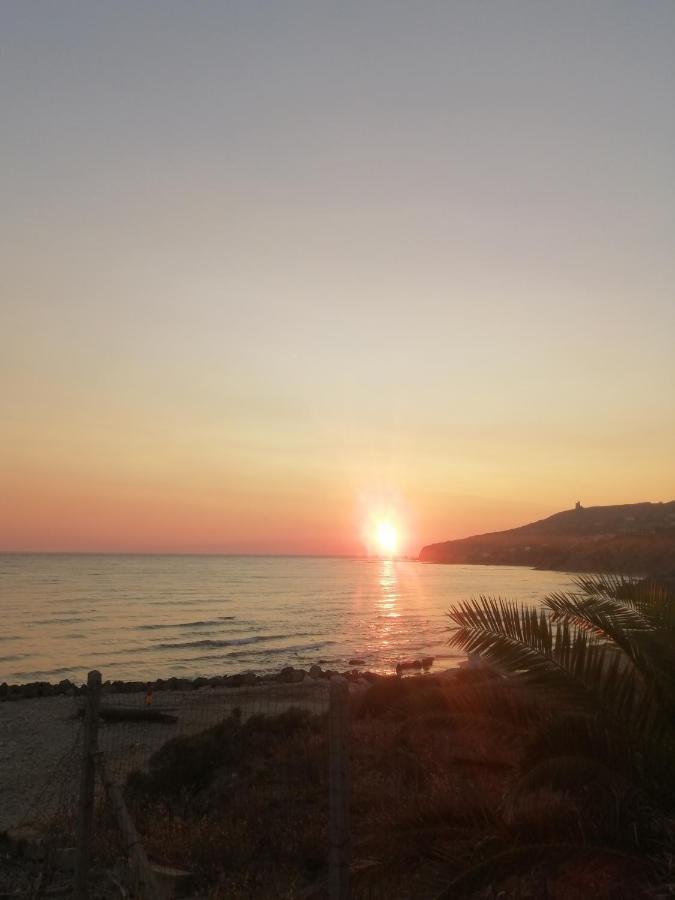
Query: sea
{"x": 147, "y": 617}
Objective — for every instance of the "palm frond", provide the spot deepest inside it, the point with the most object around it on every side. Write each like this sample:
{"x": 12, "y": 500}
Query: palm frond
{"x": 560, "y": 657}
{"x": 638, "y": 619}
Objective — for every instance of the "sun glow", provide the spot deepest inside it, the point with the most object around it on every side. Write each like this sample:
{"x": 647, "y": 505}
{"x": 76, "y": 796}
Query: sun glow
{"x": 386, "y": 538}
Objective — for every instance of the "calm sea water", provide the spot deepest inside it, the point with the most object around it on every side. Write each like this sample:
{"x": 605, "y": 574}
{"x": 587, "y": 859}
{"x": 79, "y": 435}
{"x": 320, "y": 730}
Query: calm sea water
{"x": 146, "y": 617}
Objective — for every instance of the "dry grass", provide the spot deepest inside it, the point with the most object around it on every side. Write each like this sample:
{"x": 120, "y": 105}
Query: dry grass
{"x": 244, "y": 804}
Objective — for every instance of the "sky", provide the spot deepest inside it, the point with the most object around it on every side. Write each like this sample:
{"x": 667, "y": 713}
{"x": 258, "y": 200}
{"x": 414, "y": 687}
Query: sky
{"x": 272, "y": 272}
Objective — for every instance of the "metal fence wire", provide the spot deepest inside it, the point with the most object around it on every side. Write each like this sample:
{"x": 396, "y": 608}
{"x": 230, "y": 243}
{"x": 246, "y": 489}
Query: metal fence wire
{"x": 327, "y": 788}
{"x": 231, "y": 792}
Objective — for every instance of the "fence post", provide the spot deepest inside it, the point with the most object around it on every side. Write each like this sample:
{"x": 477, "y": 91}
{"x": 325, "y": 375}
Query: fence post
{"x": 338, "y": 739}
{"x": 85, "y": 814}
{"x": 143, "y": 875}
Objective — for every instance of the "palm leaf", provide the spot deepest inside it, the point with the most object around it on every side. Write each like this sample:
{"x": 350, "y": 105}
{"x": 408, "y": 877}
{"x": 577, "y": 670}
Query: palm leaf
{"x": 564, "y": 659}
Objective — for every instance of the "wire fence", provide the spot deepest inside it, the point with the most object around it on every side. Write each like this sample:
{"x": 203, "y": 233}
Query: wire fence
{"x": 320, "y": 789}
{"x": 226, "y": 787}
{"x": 41, "y": 749}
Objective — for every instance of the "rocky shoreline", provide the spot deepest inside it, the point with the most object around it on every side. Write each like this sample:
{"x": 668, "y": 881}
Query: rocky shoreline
{"x": 287, "y": 675}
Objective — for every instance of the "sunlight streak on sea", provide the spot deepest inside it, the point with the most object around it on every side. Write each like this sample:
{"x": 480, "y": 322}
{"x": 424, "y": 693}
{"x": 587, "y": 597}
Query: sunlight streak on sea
{"x": 146, "y": 617}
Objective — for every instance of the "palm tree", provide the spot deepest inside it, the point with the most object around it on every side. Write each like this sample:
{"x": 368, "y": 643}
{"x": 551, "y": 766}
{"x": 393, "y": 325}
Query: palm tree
{"x": 601, "y": 659}
{"x": 579, "y": 699}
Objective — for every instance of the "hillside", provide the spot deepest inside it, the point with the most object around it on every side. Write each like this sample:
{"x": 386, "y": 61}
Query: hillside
{"x": 634, "y": 537}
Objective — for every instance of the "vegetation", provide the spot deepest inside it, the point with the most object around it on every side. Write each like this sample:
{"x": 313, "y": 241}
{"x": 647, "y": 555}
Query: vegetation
{"x": 602, "y": 662}
{"x": 243, "y": 805}
{"x": 636, "y": 538}
{"x": 547, "y": 772}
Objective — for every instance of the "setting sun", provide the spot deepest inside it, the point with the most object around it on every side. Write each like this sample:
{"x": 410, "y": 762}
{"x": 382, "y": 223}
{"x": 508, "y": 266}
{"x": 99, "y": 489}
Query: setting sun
{"x": 387, "y": 538}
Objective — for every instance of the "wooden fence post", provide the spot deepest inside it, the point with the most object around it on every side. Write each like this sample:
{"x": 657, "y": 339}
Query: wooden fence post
{"x": 87, "y": 785}
{"x": 339, "y": 785}
{"x": 142, "y": 873}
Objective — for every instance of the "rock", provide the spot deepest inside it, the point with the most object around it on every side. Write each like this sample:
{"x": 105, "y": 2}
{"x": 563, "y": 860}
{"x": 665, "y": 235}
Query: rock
{"x": 357, "y": 662}
{"x": 32, "y": 689}
{"x": 408, "y": 665}
{"x": 287, "y": 675}
{"x": 315, "y": 671}
{"x": 351, "y": 675}
{"x": 4, "y": 690}
{"x": 199, "y": 683}
{"x": 245, "y": 679}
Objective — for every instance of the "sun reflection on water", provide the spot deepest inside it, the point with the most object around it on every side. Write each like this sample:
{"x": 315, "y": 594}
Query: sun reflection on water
{"x": 387, "y": 602}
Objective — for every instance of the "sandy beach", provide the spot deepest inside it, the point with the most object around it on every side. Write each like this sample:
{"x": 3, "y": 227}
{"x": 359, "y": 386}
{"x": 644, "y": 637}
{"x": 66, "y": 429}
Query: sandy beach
{"x": 40, "y": 739}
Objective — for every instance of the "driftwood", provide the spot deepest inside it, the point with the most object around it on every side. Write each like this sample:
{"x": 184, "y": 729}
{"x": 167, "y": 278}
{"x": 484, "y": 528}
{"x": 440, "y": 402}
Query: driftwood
{"x": 141, "y": 869}
{"x": 117, "y": 713}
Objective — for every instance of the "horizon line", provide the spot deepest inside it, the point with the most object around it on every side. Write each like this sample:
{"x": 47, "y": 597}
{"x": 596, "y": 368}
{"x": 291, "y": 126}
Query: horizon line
{"x": 204, "y": 553}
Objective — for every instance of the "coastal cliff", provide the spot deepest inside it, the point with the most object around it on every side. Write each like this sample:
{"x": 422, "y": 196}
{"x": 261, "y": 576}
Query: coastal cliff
{"x": 633, "y": 538}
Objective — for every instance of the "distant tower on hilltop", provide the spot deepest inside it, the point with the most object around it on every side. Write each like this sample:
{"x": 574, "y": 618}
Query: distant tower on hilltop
{"x": 578, "y": 505}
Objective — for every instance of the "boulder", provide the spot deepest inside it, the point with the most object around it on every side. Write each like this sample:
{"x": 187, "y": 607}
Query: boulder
{"x": 357, "y": 662}
{"x": 244, "y": 679}
{"x": 408, "y": 665}
{"x": 351, "y": 675}
{"x": 287, "y": 675}
{"x": 315, "y": 671}
{"x": 30, "y": 690}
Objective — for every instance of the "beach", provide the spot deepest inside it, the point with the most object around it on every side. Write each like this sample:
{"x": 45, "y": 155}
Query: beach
{"x": 40, "y": 738}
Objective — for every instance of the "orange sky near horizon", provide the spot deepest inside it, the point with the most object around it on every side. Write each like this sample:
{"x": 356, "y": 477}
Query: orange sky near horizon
{"x": 153, "y": 499}
{"x": 272, "y": 274}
